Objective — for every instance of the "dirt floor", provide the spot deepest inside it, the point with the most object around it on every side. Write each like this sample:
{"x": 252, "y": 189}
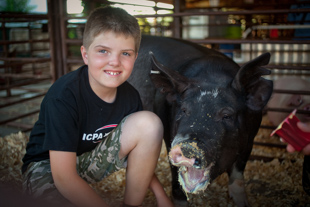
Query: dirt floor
{"x": 274, "y": 183}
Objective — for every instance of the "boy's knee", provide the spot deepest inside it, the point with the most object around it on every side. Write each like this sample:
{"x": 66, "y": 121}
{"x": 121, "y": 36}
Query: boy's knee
{"x": 150, "y": 125}
{"x": 142, "y": 127}
{"x": 149, "y": 120}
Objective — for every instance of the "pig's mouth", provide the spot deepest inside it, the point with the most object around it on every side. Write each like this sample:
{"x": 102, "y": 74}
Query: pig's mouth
{"x": 193, "y": 179}
{"x": 194, "y": 171}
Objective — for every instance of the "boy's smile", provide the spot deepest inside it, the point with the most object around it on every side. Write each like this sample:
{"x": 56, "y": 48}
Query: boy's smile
{"x": 110, "y": 59}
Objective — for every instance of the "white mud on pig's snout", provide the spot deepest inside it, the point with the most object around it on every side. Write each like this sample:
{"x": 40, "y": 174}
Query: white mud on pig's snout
{"x": 192, "y": 178}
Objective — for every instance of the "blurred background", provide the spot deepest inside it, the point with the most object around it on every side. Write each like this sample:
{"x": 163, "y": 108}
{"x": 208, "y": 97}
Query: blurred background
{"x": 40, "y": 40}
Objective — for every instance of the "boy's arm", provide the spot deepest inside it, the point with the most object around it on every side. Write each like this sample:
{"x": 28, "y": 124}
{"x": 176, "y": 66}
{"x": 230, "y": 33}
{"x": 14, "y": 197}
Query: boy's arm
{"x": 160, "y": 194}
{"x": 69, "y": 183}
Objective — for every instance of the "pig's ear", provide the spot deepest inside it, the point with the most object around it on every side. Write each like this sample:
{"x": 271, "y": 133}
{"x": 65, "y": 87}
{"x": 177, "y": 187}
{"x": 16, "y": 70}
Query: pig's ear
{"x": 248, "y": 79}
{"x": 168, "y": 81}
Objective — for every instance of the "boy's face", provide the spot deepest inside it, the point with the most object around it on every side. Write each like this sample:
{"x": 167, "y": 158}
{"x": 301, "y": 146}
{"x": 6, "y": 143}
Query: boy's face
{"x": 110, "y": 59}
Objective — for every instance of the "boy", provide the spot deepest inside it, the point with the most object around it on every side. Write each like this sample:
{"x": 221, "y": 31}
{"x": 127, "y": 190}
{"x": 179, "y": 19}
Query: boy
{"x": 91, "y": 124}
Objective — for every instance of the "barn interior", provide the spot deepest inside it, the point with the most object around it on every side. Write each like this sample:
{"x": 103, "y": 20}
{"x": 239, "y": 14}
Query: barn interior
{"x": 39, "y": 46}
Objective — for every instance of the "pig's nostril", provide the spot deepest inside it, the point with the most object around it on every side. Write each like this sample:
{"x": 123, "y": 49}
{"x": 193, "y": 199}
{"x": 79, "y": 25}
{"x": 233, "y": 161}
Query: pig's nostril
{"x": 177, "y": 157}
{"x": 197, "y": 163}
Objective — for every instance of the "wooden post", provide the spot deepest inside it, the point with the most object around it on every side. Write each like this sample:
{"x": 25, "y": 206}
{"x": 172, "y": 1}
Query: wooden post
{"x": 64, "y": 33}
{"x": 6, "y": 54}
{"x": 177, "y": 20}
{"x": 56, "y": 39}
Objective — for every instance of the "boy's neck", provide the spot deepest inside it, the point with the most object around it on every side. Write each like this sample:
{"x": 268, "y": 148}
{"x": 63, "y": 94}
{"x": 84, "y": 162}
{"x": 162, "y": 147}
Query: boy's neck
{"x": 108, "y": 96}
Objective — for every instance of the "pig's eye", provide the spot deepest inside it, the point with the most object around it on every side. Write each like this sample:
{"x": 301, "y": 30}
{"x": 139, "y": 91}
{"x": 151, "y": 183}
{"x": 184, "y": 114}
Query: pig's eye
{"x": 181, "y": 113}
{"x": 226, "y": 117}
{"x": 184, "y": 111}
{"x": 226, "y": 114}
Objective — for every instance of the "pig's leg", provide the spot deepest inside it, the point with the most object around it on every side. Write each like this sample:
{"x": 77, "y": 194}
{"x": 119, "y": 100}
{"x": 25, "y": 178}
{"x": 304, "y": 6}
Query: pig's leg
{"x": 236, "y": 188}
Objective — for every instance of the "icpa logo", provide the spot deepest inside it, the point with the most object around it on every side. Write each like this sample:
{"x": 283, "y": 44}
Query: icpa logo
{"x": 98, "y": 136}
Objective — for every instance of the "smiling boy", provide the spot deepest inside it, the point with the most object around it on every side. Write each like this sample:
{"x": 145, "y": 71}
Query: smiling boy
{"x": 91, "y": 123}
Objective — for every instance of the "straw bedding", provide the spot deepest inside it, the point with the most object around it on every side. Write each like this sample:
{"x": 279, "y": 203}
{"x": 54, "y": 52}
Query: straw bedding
{"x": 274, "y": 183}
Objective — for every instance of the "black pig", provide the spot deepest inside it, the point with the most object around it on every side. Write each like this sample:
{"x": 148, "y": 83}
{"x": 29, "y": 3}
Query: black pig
{"x": 211, "y": 109}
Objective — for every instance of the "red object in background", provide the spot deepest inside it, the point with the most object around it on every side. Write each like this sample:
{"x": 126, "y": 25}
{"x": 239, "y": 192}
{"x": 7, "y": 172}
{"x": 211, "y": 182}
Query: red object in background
{"x": 273, "y": 34}
{"x": 290, "y": 132}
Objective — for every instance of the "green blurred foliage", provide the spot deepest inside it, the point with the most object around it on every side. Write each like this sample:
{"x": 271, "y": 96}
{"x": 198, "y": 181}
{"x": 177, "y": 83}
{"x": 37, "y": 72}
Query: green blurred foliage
{"x": 20, "y": 6}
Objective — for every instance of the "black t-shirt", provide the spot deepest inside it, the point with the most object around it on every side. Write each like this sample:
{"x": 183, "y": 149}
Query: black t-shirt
{"x": 73, "y": 118}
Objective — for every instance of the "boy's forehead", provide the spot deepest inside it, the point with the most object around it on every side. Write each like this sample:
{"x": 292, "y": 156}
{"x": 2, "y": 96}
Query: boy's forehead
{"x": 108, "y": 35}
{"x": 117, "y": 34}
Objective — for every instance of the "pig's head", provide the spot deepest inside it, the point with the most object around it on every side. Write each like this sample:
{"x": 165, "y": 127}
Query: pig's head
{"x": 211, "y": 116}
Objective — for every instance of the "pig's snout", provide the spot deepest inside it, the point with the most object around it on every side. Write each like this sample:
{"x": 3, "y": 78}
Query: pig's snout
{"x": 177, "y": 157}
{"x": 194, "y": 174}
{"x": 187, "y": 154}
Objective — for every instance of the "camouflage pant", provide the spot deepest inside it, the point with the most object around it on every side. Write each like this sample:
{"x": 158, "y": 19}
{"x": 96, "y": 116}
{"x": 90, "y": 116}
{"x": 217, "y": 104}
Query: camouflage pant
{"x": 92, "y": 166}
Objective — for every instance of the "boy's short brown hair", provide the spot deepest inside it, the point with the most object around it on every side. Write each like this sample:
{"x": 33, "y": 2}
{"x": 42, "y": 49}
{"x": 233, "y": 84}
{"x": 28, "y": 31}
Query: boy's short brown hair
{"x": 111, "y": 19}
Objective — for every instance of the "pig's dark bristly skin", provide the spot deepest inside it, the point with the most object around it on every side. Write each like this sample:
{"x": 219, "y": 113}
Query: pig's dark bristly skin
{"x": 211, "y": 109}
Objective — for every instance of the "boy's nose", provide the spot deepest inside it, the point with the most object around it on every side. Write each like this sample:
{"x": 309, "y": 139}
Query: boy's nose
{"x": 114, "y": 60}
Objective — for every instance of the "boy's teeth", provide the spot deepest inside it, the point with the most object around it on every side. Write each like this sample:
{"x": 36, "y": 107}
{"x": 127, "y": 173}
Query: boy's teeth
{"x": 113, "y": 73}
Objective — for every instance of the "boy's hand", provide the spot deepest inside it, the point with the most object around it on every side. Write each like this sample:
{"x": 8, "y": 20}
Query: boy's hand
{"x": 306, "y": 128}
{"x": 69, "y": 183}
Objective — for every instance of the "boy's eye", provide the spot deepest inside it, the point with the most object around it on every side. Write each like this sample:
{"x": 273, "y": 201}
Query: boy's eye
{"x": 126, "y": 54}
{"x": 102, "y": 51}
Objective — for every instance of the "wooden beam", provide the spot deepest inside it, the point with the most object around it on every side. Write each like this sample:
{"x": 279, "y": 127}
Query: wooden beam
{"x": 19, "y": 117}
{"x": 22, "y": 100}
{"x": 56, "y": 41}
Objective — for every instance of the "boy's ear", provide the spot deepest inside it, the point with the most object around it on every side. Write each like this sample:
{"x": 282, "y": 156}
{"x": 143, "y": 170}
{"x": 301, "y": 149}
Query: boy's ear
{"x": 84, "y": 54}
{"x": 136, "y": 56}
